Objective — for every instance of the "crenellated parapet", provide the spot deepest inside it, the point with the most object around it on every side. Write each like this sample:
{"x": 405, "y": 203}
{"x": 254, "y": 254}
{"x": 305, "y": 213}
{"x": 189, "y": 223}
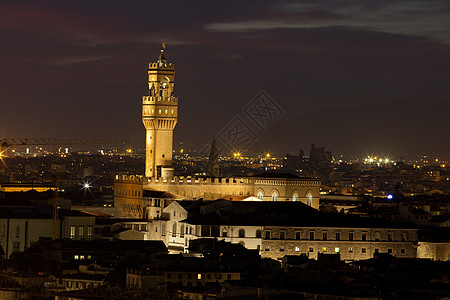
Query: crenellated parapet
{"x": 159, "y": 100}
{"x": 289, "y": 182}
{"x": 156, "y": 65}
{"x": 134, "y": 179}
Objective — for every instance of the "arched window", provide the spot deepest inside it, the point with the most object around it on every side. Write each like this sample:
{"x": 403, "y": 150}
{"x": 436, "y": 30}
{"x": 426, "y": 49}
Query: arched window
{"x": 241, "y": 233}
{"x": 309, "y": 199}
{"x": 260, "y": 195}
{"x": 174, "y": 229}
{"x": 163, "y": 229}
{"x": 274, "y": 196}
{"x": 182, "y": 230}
{"x": 295, "y": 197}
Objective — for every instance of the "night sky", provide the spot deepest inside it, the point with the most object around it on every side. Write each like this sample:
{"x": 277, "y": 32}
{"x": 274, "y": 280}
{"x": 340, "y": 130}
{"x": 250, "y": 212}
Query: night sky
{"x": 355, "y": 76}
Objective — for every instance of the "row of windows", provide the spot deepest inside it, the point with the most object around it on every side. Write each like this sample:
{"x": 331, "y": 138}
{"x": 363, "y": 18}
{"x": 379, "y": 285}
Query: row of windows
{"x": 337, "y": 236}
{"x": 137, "y": 227}
{"x": 160, "y": 112}
{"x": 183, "y": 229}
{"x": 81, "y": 232}
{"x": 82, "y": 257}
{"x": 336, "y": 250}
{"x": 130, "y": 193}
{"x": 198, "y": 276}
{"x": 282, "y": 235}
{"x": 274, "y": 197}
{"x": 3, "y": 231}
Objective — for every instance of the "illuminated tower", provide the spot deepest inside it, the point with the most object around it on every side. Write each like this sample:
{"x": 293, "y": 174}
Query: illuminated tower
{"x": 159, "y": 115}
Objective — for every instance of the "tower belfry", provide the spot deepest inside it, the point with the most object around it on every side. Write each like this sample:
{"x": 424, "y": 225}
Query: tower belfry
{"x": 159, "y": 115}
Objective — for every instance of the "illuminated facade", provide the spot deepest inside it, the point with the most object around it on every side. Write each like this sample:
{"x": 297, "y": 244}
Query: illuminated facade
{"x": 159, "y": 115}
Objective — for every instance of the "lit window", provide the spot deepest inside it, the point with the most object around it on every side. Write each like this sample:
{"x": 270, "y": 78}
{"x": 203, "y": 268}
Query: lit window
{"x": 324, "y": 249}
{"x": 274, "y": 196}
{"x": 182, "y": 230}
{"x": 81, "y": 232}
{"x": 199, "y": 276}
{"x": 309, "y": 199}
{"x": 89, "y": 232}
{"x": 336, "y": 250}
{"x": 377, "y": 236}
{"x": 260, "y": 195}
{"x": 297, "y": 249}
{"x": 174, "y": 229}
{"x": 73, "y": 231}
{"x": 295, "y": 197}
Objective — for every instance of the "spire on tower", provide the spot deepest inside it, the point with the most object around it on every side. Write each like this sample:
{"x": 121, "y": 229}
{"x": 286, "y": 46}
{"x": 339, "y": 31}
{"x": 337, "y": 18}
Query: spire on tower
{"x": 162, "y": 59}
{"x": 213, "y": 160}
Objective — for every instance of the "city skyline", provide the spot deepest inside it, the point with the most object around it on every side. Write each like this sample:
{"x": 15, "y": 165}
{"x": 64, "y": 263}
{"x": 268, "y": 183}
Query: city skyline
{"x": 80, "y": 71}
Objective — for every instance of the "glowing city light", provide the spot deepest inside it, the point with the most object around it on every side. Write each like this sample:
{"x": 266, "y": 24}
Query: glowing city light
{"x": 390, "y": 197}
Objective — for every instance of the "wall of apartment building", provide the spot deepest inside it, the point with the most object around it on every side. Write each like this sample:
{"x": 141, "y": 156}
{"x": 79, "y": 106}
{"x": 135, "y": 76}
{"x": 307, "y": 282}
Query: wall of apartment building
{"x": 434, "y": 250}
{"x": 200, "y": 278}
{"x": 18, "y": 234}
{"x": 248, "y": 236}
{"x": 77, "y": 227}
{"x": 280, "y": 241}
{"x": 128, "y": 197}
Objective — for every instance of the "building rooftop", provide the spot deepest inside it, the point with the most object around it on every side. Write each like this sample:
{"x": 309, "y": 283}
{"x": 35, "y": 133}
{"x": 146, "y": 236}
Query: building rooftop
{"x": 296, "y": 214}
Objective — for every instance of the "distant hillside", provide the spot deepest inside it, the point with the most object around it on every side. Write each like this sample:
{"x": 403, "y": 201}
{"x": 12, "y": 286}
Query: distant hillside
{"x": 399, "y": 129}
